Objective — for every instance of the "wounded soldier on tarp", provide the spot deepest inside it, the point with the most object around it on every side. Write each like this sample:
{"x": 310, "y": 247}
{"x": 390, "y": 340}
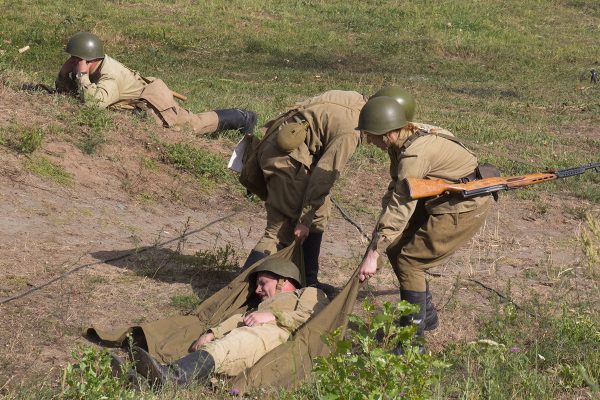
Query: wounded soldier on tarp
{"x": 241, "y": 340}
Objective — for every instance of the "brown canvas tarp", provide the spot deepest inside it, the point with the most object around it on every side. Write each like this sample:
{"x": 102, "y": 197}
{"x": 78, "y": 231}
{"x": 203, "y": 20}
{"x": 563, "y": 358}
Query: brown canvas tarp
{"x": 286, "y": 365}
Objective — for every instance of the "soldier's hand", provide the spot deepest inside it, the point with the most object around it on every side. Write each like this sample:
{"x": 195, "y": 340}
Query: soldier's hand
{"x": 82, "y": 67}
{"x": 301, "y": 232}
{"x": 68, "y": 66}
{"x": 207, "y": 337}
{"x": 258, "y": 317}
{"x": 368, "y": 267}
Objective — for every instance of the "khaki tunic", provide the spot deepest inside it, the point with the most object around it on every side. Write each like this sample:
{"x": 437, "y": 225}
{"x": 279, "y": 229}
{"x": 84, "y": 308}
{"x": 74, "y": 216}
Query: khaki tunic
{"x": 115, "y": 86}
{"x": 420, "y": 234}
{"x": 237, "y": 347}
{"x": 299, "y": 183}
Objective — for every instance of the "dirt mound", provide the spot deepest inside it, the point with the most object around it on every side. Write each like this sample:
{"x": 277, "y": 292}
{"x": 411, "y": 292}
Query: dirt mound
{"x": 122, "y": 210}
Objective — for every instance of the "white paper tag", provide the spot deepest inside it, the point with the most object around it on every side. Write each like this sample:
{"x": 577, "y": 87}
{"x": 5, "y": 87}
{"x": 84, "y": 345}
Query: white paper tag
{"x": 235, "y": 162}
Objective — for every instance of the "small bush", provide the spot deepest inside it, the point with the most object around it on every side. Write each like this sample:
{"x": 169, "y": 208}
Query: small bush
{"x": 92, "y": 378}
{"x": 364, "y": 367}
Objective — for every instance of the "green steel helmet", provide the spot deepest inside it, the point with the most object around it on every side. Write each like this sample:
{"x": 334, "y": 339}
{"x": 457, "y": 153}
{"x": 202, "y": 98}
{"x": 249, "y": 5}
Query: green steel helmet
{"x": 381, "y": 115}
{"x": 278, "y": 266}
{"x": 86, "y": 46}
{"x": 401, "y": 96}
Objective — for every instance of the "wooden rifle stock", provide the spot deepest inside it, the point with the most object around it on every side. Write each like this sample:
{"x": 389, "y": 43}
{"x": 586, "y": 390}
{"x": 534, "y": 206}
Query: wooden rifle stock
{"x": 422, "y": 188}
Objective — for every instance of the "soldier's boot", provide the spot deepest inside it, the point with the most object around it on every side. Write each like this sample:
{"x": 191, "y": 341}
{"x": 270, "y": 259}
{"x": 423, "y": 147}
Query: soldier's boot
{"x": 431, "y": 317}
{"x": 253, "y": 257}
{"x": 194, "y": 366}
{"x": 236, "y": 118}
{"x": 312, "y": 250}
{"x": 131, "y": 377}
{"x": 420, "y": 299}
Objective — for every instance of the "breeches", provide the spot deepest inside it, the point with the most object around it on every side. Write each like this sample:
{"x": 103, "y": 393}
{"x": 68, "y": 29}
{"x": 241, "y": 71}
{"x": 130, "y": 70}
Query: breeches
{"x": 428, "y": 240}
{"x": 201, "y": 123}
{"x": 286, "y": 180}
{"x": 243, "y": 347}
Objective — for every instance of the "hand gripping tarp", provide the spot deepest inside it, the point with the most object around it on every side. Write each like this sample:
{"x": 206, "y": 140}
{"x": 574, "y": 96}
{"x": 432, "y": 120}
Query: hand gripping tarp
{"x": 285, "y": 366}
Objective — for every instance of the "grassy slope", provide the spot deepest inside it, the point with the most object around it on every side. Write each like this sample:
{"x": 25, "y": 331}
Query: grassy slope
{"x": 512, "y": 77}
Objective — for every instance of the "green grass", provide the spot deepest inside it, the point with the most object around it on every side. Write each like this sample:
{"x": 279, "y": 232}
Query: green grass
{"x": 45, "y": 168}
{"x": 197, "y": 161}
{"x": 185, "y": 302}
{"x": 530, "y": 357}
{"x": 22, "y": 139}
{"x": 509, "y": 77}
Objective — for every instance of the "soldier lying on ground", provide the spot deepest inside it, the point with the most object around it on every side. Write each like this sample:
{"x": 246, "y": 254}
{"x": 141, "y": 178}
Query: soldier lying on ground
{"x": 241, "y": 340}
{"x": 419, "y": 234}
{"x": 95, "y": 77}
{"x": 296, "y": 165}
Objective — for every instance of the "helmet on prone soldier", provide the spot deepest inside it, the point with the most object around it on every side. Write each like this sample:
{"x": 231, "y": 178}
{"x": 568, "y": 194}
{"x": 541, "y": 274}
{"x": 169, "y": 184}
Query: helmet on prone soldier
{"x": 401, "y": 96}
{"x": 279, "y": 266}
{"x": 86, "y": 46}
{"x": 381, "y": 115}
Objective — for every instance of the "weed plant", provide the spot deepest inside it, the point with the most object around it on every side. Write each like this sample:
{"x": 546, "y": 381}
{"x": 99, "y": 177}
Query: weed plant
{"x": 92, "y": 378}
{"x": 364, "y": 365}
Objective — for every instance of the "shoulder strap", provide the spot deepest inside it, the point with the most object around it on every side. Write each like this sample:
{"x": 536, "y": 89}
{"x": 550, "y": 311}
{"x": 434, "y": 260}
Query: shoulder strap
{"x": 422, "y": 132}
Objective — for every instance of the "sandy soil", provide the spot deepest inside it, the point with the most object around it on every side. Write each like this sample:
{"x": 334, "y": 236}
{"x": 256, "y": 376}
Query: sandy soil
{"x": 116, "y": 207}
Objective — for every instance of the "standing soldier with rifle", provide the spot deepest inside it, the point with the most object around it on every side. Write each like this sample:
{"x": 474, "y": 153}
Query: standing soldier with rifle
{"x": 419, "y": 234}
{"x": 97, "y": 78}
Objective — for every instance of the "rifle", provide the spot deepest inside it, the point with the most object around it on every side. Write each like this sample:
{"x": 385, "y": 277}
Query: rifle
{"x": 421, "y": 188}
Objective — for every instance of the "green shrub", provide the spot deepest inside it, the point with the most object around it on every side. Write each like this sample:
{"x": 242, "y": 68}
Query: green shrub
{"x": 91, "y": 377}
{"x": 364, "y": 367}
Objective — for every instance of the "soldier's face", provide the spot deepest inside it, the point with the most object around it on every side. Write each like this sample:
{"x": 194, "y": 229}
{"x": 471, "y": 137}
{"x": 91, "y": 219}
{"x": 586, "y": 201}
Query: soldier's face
{"x": 377, "y": 140}
{"x": 266, "y": 285}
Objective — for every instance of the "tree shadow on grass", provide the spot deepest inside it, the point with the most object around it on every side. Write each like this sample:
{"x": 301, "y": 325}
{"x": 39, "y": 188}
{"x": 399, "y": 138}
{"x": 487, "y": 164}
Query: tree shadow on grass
{"x": 205, "y": 271}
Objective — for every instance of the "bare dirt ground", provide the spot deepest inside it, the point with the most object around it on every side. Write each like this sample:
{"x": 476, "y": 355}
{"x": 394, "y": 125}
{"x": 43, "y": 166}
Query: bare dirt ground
{"x": 116, "y": 206}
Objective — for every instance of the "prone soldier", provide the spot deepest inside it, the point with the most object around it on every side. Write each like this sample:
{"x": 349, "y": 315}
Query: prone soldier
{"x": 97, "y": 78}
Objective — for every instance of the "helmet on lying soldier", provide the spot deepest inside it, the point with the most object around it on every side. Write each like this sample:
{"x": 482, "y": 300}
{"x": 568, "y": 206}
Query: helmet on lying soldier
{"x": 279, "y": 266}
{"x": 401, "y": 96}
{"x": 381, "y": 115}
{"x": 86, "y": 46}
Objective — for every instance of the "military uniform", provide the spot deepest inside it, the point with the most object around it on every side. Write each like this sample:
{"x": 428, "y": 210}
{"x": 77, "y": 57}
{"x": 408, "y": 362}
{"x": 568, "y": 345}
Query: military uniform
{"x": 298, "y": 182}
{"x": 115, "y": 86}
{"x": 237, "y": 347}
{"x": 420, "y": 234}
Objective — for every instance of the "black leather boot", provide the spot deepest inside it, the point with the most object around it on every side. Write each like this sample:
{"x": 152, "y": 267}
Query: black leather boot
{"x": 236, "y": 118}
{"x": 253, "y": 257}
{"x": 197, "y": 365}
{"x": 312, "y": 249}
{"x": 431, "y": 317}
{"x": 418, "y": 298}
